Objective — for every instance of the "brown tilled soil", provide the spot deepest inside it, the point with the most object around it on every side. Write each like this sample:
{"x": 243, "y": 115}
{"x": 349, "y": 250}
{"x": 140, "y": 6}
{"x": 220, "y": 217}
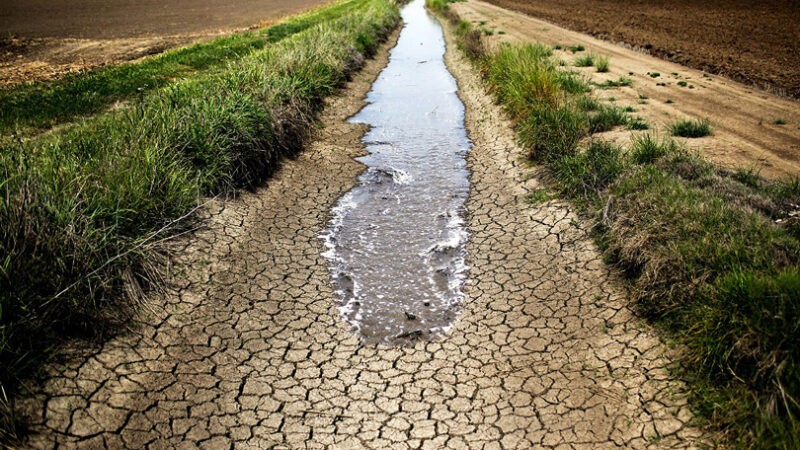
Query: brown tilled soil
{"x": 247, "y": 348}
{"x": 753, "y": 42}
{"x": 745, "y": 134}
{"x": 45, "y": 39}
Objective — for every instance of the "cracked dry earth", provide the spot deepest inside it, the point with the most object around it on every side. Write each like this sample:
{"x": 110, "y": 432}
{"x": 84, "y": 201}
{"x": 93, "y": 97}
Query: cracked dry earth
{"x": 247, "y": 348}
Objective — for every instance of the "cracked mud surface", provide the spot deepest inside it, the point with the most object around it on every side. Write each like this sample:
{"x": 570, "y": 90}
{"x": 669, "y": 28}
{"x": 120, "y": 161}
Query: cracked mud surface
{"x": 247, "y": 348}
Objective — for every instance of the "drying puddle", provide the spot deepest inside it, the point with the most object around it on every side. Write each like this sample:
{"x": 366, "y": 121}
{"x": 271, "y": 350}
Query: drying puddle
{"x": 396, "y": 240}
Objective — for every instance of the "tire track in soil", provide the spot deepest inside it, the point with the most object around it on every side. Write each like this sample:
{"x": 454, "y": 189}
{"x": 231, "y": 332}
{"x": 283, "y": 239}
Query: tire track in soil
{"x": 247, "y": 348}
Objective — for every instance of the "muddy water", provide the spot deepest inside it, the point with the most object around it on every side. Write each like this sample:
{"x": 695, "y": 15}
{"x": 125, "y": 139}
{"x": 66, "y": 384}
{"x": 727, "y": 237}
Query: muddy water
{"x": 396, "y": 240}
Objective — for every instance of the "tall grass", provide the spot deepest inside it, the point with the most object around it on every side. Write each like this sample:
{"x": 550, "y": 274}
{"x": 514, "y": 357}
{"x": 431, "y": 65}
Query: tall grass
{"x": 712, "y": 256}
{"x": 82, "y": 210}
{"x": 30, "y": 107}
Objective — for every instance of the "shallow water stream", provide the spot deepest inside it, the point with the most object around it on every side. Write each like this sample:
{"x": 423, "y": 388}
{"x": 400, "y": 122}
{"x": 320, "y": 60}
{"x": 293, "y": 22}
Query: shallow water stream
{"x": 396, "y": 240}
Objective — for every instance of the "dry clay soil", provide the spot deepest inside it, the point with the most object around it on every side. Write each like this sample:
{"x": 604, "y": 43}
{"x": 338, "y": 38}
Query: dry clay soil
{"x": 246, "y": 349}
{"x": 46, "y": 39}
{"x": 745, "y": 134}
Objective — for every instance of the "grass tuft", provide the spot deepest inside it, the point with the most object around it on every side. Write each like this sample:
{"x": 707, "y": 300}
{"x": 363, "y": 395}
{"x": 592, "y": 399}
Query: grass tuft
{"x": 621, "y": 82}
{"x": 647, "y": 148}
{"x": 601, "y": 63}
{"x": 637, "y": 123}
{"x": 606, "y": 118}
{"x": 585, "y": 60}
{"x": 691, "y": 128}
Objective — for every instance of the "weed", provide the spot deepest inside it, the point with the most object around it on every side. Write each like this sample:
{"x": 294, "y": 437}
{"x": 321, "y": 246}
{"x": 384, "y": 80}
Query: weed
{"x": 691, "y": 128}
{"x": 779, "y": 121}
{"x": 606, "y": 118}
{"x": 601, "y": 64}
{"x": 637, "y": 123}
{"x": 669, "y": 101}
{"x": 437, "y": 5}
{"x": 647, "y": 148}
{"x": 748, "y": 177}
{"x": 577, "y": 48}
{"x": 622, "y": 81}
{"x": 654, "y": 74}
{"x": 682, "y": 83}
{"x": 586, "y": 103}
{"x": 539, "y": 196}
{"x": 585, "y": 61}
{"x": 585, "y": 174}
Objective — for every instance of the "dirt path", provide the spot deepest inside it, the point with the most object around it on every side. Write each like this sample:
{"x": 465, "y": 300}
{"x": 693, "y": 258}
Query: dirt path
{"x": 247, "y": 350}
{"x": 745, "y": 134}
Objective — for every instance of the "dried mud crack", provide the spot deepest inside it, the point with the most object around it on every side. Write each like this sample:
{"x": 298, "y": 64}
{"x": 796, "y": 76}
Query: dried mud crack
{"x": 247, "y": 349}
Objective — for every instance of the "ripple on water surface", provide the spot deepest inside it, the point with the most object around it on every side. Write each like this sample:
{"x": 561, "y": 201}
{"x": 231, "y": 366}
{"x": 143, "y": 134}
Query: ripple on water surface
{"x": 396, "y": 240}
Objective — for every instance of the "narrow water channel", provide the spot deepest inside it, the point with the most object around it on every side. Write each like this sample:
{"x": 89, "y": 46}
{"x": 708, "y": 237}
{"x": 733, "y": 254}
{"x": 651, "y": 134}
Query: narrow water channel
{"x": 396, "y": 241}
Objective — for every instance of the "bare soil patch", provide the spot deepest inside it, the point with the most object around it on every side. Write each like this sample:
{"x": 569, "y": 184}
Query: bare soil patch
{"x": 46, "y": 39}
{"x": 753, "y": 42}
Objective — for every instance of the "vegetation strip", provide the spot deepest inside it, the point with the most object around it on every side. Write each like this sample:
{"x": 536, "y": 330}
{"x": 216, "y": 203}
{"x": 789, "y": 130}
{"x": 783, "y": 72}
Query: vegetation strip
{"x": 83, "y": 210}
{"x": 712, "y": 256}
{"x": 31, "y": 107}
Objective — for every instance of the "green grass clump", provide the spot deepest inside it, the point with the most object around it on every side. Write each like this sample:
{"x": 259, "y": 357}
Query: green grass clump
{"x": 576, "y": 48}
{"x": 83, "y": 208}
{"x": 647, "y": 148}
{"x": 587, "y": 103}
{"x": 621, "y": 82}
{"x": 691, "y": 128}
{"x": 601, "y": 64}
{"x": 606, "y": 118}
{"x": 539, "y": 196}
{"x": 524, "y": 78}
{"x": 637, "y": 123}
{"x": 780, "y": 121}
{"x": 585, "y": 60}
{"x": 654, "y": 74}
{"x": 585, "y": 174}
{"x": 437, "y": 5}
{"x": 28, "y": 108}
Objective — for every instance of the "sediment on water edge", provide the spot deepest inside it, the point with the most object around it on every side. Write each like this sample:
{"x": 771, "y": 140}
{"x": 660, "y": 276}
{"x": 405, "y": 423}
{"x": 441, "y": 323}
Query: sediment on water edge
{"x": 711, "y": 256}
{"x": 85, "y": 210}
